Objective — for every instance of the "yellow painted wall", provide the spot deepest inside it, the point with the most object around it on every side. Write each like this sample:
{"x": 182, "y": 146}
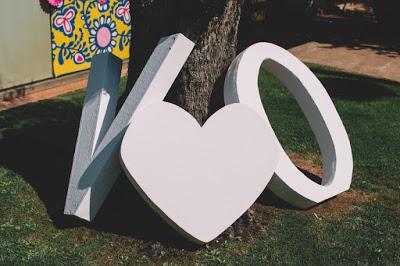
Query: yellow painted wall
{"x": 83, "y": 28}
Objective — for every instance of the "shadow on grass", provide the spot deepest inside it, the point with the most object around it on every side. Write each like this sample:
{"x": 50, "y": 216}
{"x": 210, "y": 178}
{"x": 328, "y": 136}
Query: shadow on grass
{"x": 42, "y": 151}
{"x": 38, "y": 140}
{"x": 357, "y": 90}
{"x": 354, "y": 87}
{"x": 268, "y": 198}
{"x": 37, "y": 143}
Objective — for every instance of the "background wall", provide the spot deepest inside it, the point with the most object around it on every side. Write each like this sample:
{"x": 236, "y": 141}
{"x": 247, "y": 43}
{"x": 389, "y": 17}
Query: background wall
{"x": 25, "y": 52}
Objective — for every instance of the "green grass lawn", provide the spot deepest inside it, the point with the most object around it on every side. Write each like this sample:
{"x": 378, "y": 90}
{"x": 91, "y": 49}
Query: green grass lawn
{"x": 361, "y": 226}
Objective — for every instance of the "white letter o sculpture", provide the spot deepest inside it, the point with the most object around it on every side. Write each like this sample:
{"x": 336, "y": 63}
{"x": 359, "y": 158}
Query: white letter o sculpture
{"x": 288, "y": 182}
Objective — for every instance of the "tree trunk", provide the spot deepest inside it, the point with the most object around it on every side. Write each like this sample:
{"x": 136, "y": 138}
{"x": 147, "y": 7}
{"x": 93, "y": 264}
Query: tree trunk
{"x": 211, "y": 24}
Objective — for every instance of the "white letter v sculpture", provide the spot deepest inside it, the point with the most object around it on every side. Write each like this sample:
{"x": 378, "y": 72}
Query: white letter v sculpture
{"x": 96, "y": 163}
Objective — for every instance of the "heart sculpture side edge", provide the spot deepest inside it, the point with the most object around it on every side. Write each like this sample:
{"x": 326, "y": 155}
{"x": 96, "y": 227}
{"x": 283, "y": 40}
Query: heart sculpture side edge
{"x": 199, "y": 179}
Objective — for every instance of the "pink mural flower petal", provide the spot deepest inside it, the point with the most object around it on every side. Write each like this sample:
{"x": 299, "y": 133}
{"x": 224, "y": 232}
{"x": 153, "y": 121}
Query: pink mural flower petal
{"x": 55, "y": 3}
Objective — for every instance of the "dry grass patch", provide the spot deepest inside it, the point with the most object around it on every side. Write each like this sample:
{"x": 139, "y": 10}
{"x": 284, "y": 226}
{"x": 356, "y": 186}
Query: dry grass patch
{"x": 337, "y": 206}
{"x": 341, "y": 205}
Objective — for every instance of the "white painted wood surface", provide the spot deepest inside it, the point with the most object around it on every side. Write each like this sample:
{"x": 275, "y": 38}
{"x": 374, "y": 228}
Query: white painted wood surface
{"x": 96, "y": 161}
{"x": 289, "y": 183}
{"x": 199, "y": 179}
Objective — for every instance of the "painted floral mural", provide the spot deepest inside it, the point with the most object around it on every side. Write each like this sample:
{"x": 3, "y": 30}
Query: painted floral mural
{"x": 83, "y": 28}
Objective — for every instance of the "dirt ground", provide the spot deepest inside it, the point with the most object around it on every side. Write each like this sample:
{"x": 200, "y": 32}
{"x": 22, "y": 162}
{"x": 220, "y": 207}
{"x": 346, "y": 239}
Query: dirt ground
{"x": 364, "y": 59}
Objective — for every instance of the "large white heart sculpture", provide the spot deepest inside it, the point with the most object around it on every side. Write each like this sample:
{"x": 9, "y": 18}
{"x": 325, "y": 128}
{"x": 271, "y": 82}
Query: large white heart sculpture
{"x": 199, "y": 179}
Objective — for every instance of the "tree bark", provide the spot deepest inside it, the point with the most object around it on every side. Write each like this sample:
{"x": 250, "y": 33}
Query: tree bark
{"x": 211, "y": 24}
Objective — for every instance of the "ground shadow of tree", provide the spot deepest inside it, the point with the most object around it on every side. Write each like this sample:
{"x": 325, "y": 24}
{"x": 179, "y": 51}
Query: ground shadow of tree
{"x": 268, "y": 198}
{"x": 354, "y": 87}
{"x": 40, "y": 148}
{"x": 356, "y": 33}
{"x": 353, "y": 30}
{"x": 37, "y": 141}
